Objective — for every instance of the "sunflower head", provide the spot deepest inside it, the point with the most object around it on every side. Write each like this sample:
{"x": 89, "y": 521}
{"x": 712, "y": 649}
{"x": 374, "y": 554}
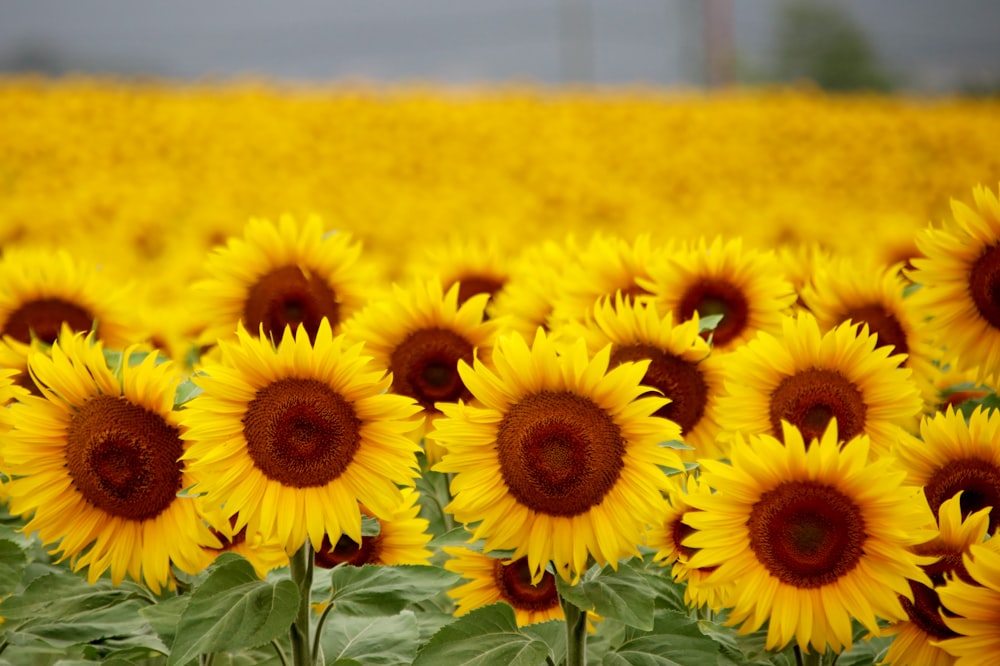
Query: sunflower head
{"x": 300, "y": 423}
{"x": 288, "y": 273}
{"x": 959, "y": 278}
{"x": 558, "y": 457}
{"x": 96, "y": 463}
{"x": 813, "y": 536}
{"x": 972, "y": 607}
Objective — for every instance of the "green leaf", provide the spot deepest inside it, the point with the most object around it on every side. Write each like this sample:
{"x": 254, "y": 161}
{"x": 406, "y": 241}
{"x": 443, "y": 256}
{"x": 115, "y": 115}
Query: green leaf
{"x": 385, "y": 590}
{"x": 623, "y": 595}
{"x": 165, "y": 615}
{"x": 13, "y": 561}
{"x": 484, "y": 637}
{"x": 233, "y": 609}
{"x": 709, "y": 322}
{"x": 454, "y": 537}
{"x": 370, "y": 527}
{"x": 434, "y": 496}
{"x": 675, "y": 640}
{"x": 553, "y": 634}
{"x": 186, "y": 390}
{"x": 372, "y": 640}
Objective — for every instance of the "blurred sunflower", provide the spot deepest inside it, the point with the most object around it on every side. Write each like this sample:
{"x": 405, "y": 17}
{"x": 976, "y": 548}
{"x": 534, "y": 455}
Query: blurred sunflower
{"x": 526, "y": 300}
{"x": 559, "y": 458}
{"x": 746, "y": 287}
{"x": 918, "y": 637}
{"x": 263, "y": 554}
{"x": 476, "y": 266}
{"x": 973, "y": 609}
{"x": 959, "y": 278}
{"x": 402, "y": 539}
{"x": 45, "y": 290}
{"x": 809, "y": 378}
{"x": 607, "y": 265}
{"x": 419, "y": 336}
{"x": 956, "y": 454}
{"x": 289, "y": 438}
{"x": 280, "y": 275}
{"x": 493, "y": 579}
{"x": 680, "y": 364}
{"x": 812, "y": 537}
{"x": 849, "y": 289}
{"x": 667, "y": 537}
{"x": 96, "y": 463}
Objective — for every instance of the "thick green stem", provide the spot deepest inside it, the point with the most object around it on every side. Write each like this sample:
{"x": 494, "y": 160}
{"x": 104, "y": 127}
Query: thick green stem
{"x": 301, "y": 565}
{"x": 808, "y": 657}
{"x": 576, "y": 634}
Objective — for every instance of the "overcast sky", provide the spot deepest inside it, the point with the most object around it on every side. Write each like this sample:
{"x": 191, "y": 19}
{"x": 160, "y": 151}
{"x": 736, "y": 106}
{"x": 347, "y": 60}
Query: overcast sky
{"x": 932, "y": 42}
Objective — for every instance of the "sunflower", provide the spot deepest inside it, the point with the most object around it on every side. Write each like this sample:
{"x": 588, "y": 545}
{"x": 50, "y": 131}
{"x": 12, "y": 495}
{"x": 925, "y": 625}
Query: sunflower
{"x": 476, "y": 266}
{"x": 607, "y": 265}
{"x": 808, "y": 379}
{"x": 263, "y": 554}
{"x": 917, "y": 638}
{"x": 45, "y": 291}
{"x": 526, "y": 299}
{"x": 289, "y": 438}
{"x": 954, "y": 454}
{"x": 680, "y": 365}
{"x": 973, "y": 609}
{"x": 746, "y": 287}
{"x": 402, "y": 539}
{"x": 813, "y": 536}
{"x": 95, "y": 461}
{"x": 959, "y": 278}
{"x": 280, "y": 275}
{"x": 863, "y": 292}
{"x": 419, "y": 336}
{"x": 560, "y": 458}
{"x": 493, "y": 579}
{"x": 668, "y": 536}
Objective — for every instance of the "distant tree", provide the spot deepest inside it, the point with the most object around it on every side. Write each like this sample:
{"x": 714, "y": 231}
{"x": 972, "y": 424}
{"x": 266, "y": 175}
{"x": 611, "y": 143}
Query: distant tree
{"x": 823, "y": 43}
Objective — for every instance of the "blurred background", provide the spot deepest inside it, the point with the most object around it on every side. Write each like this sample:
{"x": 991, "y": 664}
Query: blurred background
{"x": 920, "y": 46}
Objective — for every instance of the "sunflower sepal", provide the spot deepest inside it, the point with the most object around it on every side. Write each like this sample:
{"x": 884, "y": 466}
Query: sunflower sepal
{"x": 186, "y": 391}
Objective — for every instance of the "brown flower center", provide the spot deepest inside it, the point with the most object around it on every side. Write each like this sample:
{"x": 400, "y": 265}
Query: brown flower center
{"x": 425, "y": 366}
{"x": 984, "y": 284}
{"x": 514, "y": 582}
{"x": 717, "y": 297}
{"x": 979, "y": 482}
{"x": 44, "y": 317}
{"x": 881, "y": 323}
{"x": 925, "y": 611}
{"x": 679, "y": 380}
{"x": 807, "y": 534}
{"x": 559, "y": 452}
{"x": 123, "y": 458}
{"x": 470, "y": 285}
{"x": 289, "y": 296}
{"x": 300, "y": 432}
{"x": 810, "y": 398}
{"x": 348, "y": 551}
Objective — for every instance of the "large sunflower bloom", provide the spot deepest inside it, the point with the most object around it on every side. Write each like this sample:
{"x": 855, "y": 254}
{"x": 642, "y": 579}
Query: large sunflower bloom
{"x": 402, "y": 539}
{"x": 954, "y": 454}
{"x": 526, "y": 299}
{"x": 289, "y": 438}
{"x": 959, "y": 278}
{"x": 96, "y": 461}
{"x": 476, "y": 266}
{"x": 809, "y": 378}
{"x": 812, "y": 537}
{"x": 848, "y": 289}
{"x": 746, "y": 287}
{"x": 419, "y": 336}
{"x": 493, "y": 579}
{"x": 973, "y": 609}
{"x": 917, "y": 641}
{"x": 680, "y": 364}
{"x": 560, "y": 459}
{"x": 280, "y": 275}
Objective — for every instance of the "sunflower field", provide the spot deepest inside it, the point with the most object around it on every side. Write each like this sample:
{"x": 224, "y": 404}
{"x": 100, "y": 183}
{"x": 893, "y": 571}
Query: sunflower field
{"x": 353, "y": 374}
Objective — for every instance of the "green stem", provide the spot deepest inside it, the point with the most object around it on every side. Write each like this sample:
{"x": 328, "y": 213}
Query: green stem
{"x": 278, "y": 651}
{"x": 576, "y": 634}
{"x": 301, "y": 565}
{"x": 808, "y": 657}
{"x": 319, "y": 627}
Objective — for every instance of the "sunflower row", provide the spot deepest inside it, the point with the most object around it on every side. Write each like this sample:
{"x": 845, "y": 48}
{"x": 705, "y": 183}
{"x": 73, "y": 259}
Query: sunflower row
{"x": 805, "y": 438}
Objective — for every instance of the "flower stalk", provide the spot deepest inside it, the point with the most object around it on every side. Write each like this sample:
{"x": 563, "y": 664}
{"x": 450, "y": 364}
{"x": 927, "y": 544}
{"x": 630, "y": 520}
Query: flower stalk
{"x": 576, "y": 634}
{"x": 301, "y": 565}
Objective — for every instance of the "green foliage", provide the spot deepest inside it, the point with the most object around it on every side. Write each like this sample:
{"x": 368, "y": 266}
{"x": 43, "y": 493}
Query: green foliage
{"x": 484, "y": 637}
{"x": 623, "y": 595}
{"x": 373, "y": 590}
